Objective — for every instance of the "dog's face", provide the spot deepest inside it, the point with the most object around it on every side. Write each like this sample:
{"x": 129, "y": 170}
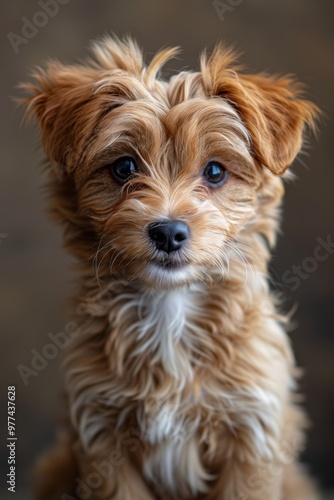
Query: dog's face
{"x": 165, "y": 176}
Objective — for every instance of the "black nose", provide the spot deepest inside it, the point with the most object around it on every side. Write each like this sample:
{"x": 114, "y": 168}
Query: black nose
{"x": 169, "y": 235}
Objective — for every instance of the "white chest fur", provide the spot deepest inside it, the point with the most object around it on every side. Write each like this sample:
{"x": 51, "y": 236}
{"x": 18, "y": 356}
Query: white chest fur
{"x": 167, "y": 325}
{"x": 165, "y": 328}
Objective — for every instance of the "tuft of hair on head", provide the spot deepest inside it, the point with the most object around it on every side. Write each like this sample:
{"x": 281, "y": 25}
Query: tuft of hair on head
{"x": 110, "y": 52}
{"x": 273, "y": 108}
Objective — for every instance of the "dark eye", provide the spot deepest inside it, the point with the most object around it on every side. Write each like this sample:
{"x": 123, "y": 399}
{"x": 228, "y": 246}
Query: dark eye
{"x": 214, "y": 174}
{"x": 122, "y": 168}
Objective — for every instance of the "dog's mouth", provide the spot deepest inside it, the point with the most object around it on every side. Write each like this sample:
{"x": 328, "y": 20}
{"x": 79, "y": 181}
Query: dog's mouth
{"x": 169, "y": 273}
{"x": 170, "y": 265}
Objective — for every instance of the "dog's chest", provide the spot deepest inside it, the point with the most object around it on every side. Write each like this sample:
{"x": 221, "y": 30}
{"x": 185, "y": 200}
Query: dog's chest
{"x": 163, "y": 329}
{"x": 168, "y": 419}
{"x": 187, "y": 403}
{"x": 164, "y": 337}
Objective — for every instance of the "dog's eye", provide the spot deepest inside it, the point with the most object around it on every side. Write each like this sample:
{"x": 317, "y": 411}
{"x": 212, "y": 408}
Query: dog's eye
{"x": 122, "y": 168}
{"x": 214, "y": 174}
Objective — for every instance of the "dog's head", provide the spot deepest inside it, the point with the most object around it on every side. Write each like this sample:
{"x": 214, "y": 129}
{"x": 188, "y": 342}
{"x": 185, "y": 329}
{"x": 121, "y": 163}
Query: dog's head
{"x": 160, "y": 179}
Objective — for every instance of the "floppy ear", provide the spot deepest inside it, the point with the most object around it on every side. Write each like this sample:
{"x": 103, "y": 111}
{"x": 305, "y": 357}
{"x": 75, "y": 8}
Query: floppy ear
{"x": 56, "y": 99}
{"x": 66, "y": 101}
{"x": 272, "y": 108}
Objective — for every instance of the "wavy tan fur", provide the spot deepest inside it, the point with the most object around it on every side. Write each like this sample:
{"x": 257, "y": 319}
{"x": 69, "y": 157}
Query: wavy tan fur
{"x": 185, "y": 376}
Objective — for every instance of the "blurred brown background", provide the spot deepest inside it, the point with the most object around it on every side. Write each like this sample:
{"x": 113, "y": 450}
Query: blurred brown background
{"x": 277, "y": 35}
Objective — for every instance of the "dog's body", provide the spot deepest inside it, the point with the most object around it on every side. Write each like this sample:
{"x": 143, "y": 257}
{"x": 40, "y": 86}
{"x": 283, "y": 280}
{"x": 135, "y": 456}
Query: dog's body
{"x": 180, "y": 378}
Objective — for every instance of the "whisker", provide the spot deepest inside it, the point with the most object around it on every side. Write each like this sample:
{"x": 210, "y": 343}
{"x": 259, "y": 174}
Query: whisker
{"x": 233, "y": 246}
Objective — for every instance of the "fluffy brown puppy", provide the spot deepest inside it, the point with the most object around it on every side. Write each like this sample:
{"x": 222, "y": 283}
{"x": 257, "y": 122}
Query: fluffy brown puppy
{"x": 180, "y": 380}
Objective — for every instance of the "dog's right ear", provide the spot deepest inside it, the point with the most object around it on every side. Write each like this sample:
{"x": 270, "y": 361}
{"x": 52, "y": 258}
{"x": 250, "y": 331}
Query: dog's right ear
{"x": 68, "y": 102}
{"x": 56, "y": 99}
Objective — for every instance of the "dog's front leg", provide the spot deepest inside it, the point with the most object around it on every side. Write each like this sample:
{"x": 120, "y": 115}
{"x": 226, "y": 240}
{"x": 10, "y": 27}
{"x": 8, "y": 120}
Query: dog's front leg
{"x": 119, "y": 481}
{"x": 241, "y": 481}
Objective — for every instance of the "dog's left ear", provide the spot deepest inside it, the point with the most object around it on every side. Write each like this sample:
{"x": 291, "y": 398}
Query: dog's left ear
{"x": 272, "y": 108}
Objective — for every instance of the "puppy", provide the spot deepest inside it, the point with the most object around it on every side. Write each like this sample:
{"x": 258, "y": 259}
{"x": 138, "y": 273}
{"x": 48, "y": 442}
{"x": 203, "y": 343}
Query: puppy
{"x": 180, "y": 379}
